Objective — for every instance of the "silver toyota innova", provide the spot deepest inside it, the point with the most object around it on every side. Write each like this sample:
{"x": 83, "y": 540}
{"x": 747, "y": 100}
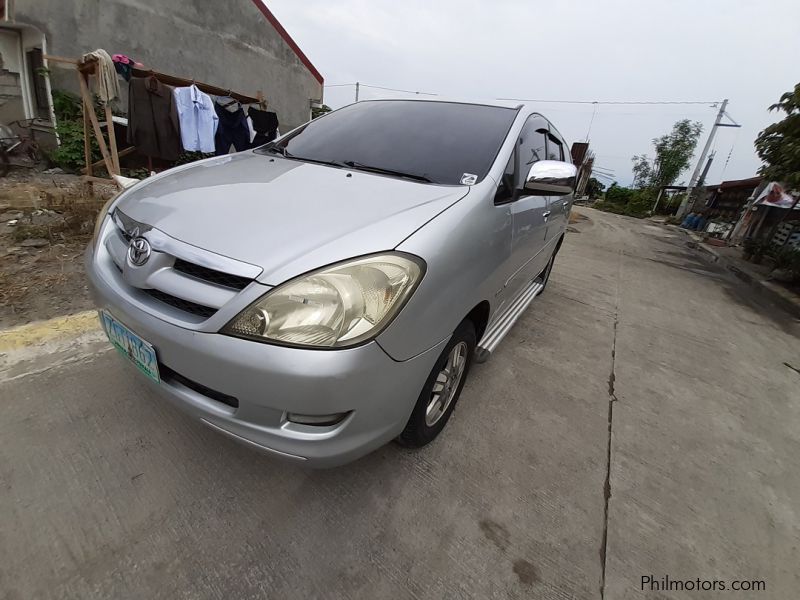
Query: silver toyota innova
{"x": 326, "y": 293}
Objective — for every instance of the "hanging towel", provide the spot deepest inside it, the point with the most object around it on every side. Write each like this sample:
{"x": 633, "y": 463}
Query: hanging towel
{"x": 124, "y": 64}
{"x": 106, "y": 84}
{"x": 197, "y": 118}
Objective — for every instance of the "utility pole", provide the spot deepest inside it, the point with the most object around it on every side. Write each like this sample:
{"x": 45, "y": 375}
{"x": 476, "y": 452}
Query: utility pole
{"x": 704, "y": 174}
{"x": 356, "y": 91}
{"x": 696, "y": 174}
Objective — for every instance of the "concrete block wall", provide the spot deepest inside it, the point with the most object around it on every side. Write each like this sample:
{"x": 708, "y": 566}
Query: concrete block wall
{"x": 229, "y": 44}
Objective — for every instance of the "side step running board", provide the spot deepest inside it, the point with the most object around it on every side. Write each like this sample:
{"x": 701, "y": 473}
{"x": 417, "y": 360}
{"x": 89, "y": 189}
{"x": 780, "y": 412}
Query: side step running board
{"x": 495, "y": 333}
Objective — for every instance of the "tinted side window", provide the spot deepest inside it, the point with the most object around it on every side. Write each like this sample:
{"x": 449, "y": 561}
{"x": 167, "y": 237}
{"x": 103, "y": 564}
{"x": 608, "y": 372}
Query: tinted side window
{"x": 555, "y": 151}
{"x": 532, "y": 146}
{"x": 505, "y": 191}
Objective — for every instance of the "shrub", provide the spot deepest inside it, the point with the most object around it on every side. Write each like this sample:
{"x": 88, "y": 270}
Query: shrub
{"x": 640, "y": 203}
{"x": 618, "y": 195}
{"x": 785, "y": 257}
{"x": 69, "y": 127}
{"x": 69, "y": 154}
{"x": 626, "y": 201}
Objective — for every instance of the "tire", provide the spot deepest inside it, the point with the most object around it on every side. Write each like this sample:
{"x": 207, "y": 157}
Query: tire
{"x": 547, "y": 270}
{"x": 430, "y": 415}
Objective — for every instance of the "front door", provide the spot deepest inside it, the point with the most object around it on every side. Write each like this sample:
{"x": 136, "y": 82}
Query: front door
{"x": 529, "y": 211}
{"x": 558, "y": 207}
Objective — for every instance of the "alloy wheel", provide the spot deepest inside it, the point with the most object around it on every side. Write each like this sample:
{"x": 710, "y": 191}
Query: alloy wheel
{"x": 446, "y": 384}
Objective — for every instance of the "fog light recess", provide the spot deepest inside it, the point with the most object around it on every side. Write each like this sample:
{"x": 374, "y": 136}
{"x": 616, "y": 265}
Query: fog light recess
{"x": 317, "y": 420}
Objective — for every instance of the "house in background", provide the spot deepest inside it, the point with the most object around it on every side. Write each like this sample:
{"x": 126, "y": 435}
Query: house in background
{"x": 237, "y": 44}
{"x": 583, "y": 159}
{"x": 727, "y": 199}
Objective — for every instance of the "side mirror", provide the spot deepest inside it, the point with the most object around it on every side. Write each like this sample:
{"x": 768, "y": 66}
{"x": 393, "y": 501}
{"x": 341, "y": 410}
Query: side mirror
{"x": 551, "y": 178}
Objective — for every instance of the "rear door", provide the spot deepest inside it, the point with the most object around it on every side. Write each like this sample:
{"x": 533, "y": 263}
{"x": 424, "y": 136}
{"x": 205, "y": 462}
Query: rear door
{"x": 528, "y": 210}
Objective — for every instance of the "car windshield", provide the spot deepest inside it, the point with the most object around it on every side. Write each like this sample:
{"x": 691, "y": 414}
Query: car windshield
{"x": 438, "y": 142}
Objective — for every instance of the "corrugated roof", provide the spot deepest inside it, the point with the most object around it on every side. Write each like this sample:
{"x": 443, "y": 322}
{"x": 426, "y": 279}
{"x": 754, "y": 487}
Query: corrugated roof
{"x": 739, "y": 183}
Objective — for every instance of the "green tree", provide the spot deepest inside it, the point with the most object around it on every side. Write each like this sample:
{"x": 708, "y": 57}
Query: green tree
{"x": 318, "y": 111}
{"x": 779, "y": 144}
{"x": 673, "y": 155}
{"x": 594, "y": 188}
{"x": 617, "y": 194}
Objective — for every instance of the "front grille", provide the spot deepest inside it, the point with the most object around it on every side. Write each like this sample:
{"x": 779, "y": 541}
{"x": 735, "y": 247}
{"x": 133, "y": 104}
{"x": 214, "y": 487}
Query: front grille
{"x": 210, "y": 275}
{"x": 181, "y": 304}
{"x": 169, "y": 375}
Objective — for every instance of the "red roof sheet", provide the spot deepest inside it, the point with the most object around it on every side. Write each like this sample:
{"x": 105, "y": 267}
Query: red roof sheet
{"x": 288, "y": 39}
{"x": 752, "y": 182}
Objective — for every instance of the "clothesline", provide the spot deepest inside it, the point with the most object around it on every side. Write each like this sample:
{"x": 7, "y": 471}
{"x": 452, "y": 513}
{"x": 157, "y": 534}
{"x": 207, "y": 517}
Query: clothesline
{"x": 202, "y": 133}
{"x": 203, "y": 87}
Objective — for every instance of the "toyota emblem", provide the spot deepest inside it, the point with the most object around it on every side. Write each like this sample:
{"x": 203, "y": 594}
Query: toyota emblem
{"x": 139, "y": 251}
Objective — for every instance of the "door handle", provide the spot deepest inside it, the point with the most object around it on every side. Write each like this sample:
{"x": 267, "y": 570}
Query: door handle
{"x": 565, "y": 203}
{"x": 546, "y": 214}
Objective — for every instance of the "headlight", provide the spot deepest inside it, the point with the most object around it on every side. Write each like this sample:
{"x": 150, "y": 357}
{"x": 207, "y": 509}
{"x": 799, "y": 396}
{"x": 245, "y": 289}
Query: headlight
{"x": 101, "y": 218}
{"x": 341, "y": 305}
{"x": 124, "y": 183}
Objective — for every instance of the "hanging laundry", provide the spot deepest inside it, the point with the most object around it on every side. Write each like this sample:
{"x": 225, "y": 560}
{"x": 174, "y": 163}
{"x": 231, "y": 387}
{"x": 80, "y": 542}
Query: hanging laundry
{"x": 252, "y": 130}
{"x": 153, "y": 125}
{"x": 228, "y": 103}
{"x": 124, "y": 64}
{"x": 232, "y": 128}
{"x": 197, "y": 117}
{"x": 106, "y": 84}
{"x": 266, "y": 125}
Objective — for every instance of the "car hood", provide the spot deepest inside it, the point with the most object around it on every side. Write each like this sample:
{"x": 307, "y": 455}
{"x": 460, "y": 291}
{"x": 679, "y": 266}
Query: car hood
{"x": 285, "y": 216}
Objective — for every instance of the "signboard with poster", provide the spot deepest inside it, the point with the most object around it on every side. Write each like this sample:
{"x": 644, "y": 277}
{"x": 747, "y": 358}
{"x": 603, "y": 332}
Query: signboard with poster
{"x": 775, "y": 195}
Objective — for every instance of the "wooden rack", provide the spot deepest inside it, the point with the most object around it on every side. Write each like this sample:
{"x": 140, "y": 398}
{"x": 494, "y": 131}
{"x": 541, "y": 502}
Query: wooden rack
{"x": 203, "y": 87}
{"x": 91, "y": 123}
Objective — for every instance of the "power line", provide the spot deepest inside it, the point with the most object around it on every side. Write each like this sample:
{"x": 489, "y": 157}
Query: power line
{"x": 377, "y": 87}
{"x": 640, "y": 102}
{"x": 595, "y": 102}
{"x": 588, "y": 131}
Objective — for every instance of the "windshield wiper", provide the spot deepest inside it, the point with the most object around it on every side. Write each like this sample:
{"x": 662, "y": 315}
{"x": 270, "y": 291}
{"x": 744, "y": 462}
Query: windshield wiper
{"x": 286, "y": 154}
{"x": 350, "y": 163}
{"x": 362, "y": 167}
{"x": 279, "y": 150}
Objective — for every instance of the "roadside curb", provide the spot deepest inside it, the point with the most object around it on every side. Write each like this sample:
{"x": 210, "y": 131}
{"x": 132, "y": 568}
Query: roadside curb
{"x": 41, "y": 333}
{"x": 43, "y": 345}
{"x": 776, "y": 293}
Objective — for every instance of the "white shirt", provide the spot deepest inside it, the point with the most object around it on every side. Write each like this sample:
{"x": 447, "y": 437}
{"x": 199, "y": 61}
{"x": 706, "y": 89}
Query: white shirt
{"x": 197, "y": 118}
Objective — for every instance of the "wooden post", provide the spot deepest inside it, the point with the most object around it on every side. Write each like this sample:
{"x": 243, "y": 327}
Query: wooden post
{"x": 87, "y": 143}
{"x": 98, "y": 133}
{"x": 112, "y": 139}
{"x": 98, "y": 163}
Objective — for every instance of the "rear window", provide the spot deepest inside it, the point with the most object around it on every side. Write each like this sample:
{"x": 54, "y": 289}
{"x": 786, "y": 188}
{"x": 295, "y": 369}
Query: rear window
{"x": 441, "y": 141}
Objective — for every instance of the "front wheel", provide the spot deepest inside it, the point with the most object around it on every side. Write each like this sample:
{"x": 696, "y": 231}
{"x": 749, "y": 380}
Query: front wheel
{"x": 440, "y": 393}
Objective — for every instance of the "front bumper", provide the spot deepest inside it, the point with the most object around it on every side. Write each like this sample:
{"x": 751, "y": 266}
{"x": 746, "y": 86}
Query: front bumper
{"x": 270, "y": 381}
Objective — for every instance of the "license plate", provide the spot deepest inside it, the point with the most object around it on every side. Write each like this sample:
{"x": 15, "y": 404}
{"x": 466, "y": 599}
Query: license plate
{"x": 138, "y": 351}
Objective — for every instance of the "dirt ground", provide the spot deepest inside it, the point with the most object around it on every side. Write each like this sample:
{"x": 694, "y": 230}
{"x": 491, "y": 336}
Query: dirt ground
{"x": 46, "y": 220}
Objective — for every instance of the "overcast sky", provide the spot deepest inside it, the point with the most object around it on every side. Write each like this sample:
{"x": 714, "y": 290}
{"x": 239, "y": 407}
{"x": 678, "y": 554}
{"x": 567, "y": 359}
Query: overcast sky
{"x": 569, "y": 50}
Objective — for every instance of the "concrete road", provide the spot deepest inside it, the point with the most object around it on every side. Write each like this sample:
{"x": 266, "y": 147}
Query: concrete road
{"x": 638, "y": 421}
